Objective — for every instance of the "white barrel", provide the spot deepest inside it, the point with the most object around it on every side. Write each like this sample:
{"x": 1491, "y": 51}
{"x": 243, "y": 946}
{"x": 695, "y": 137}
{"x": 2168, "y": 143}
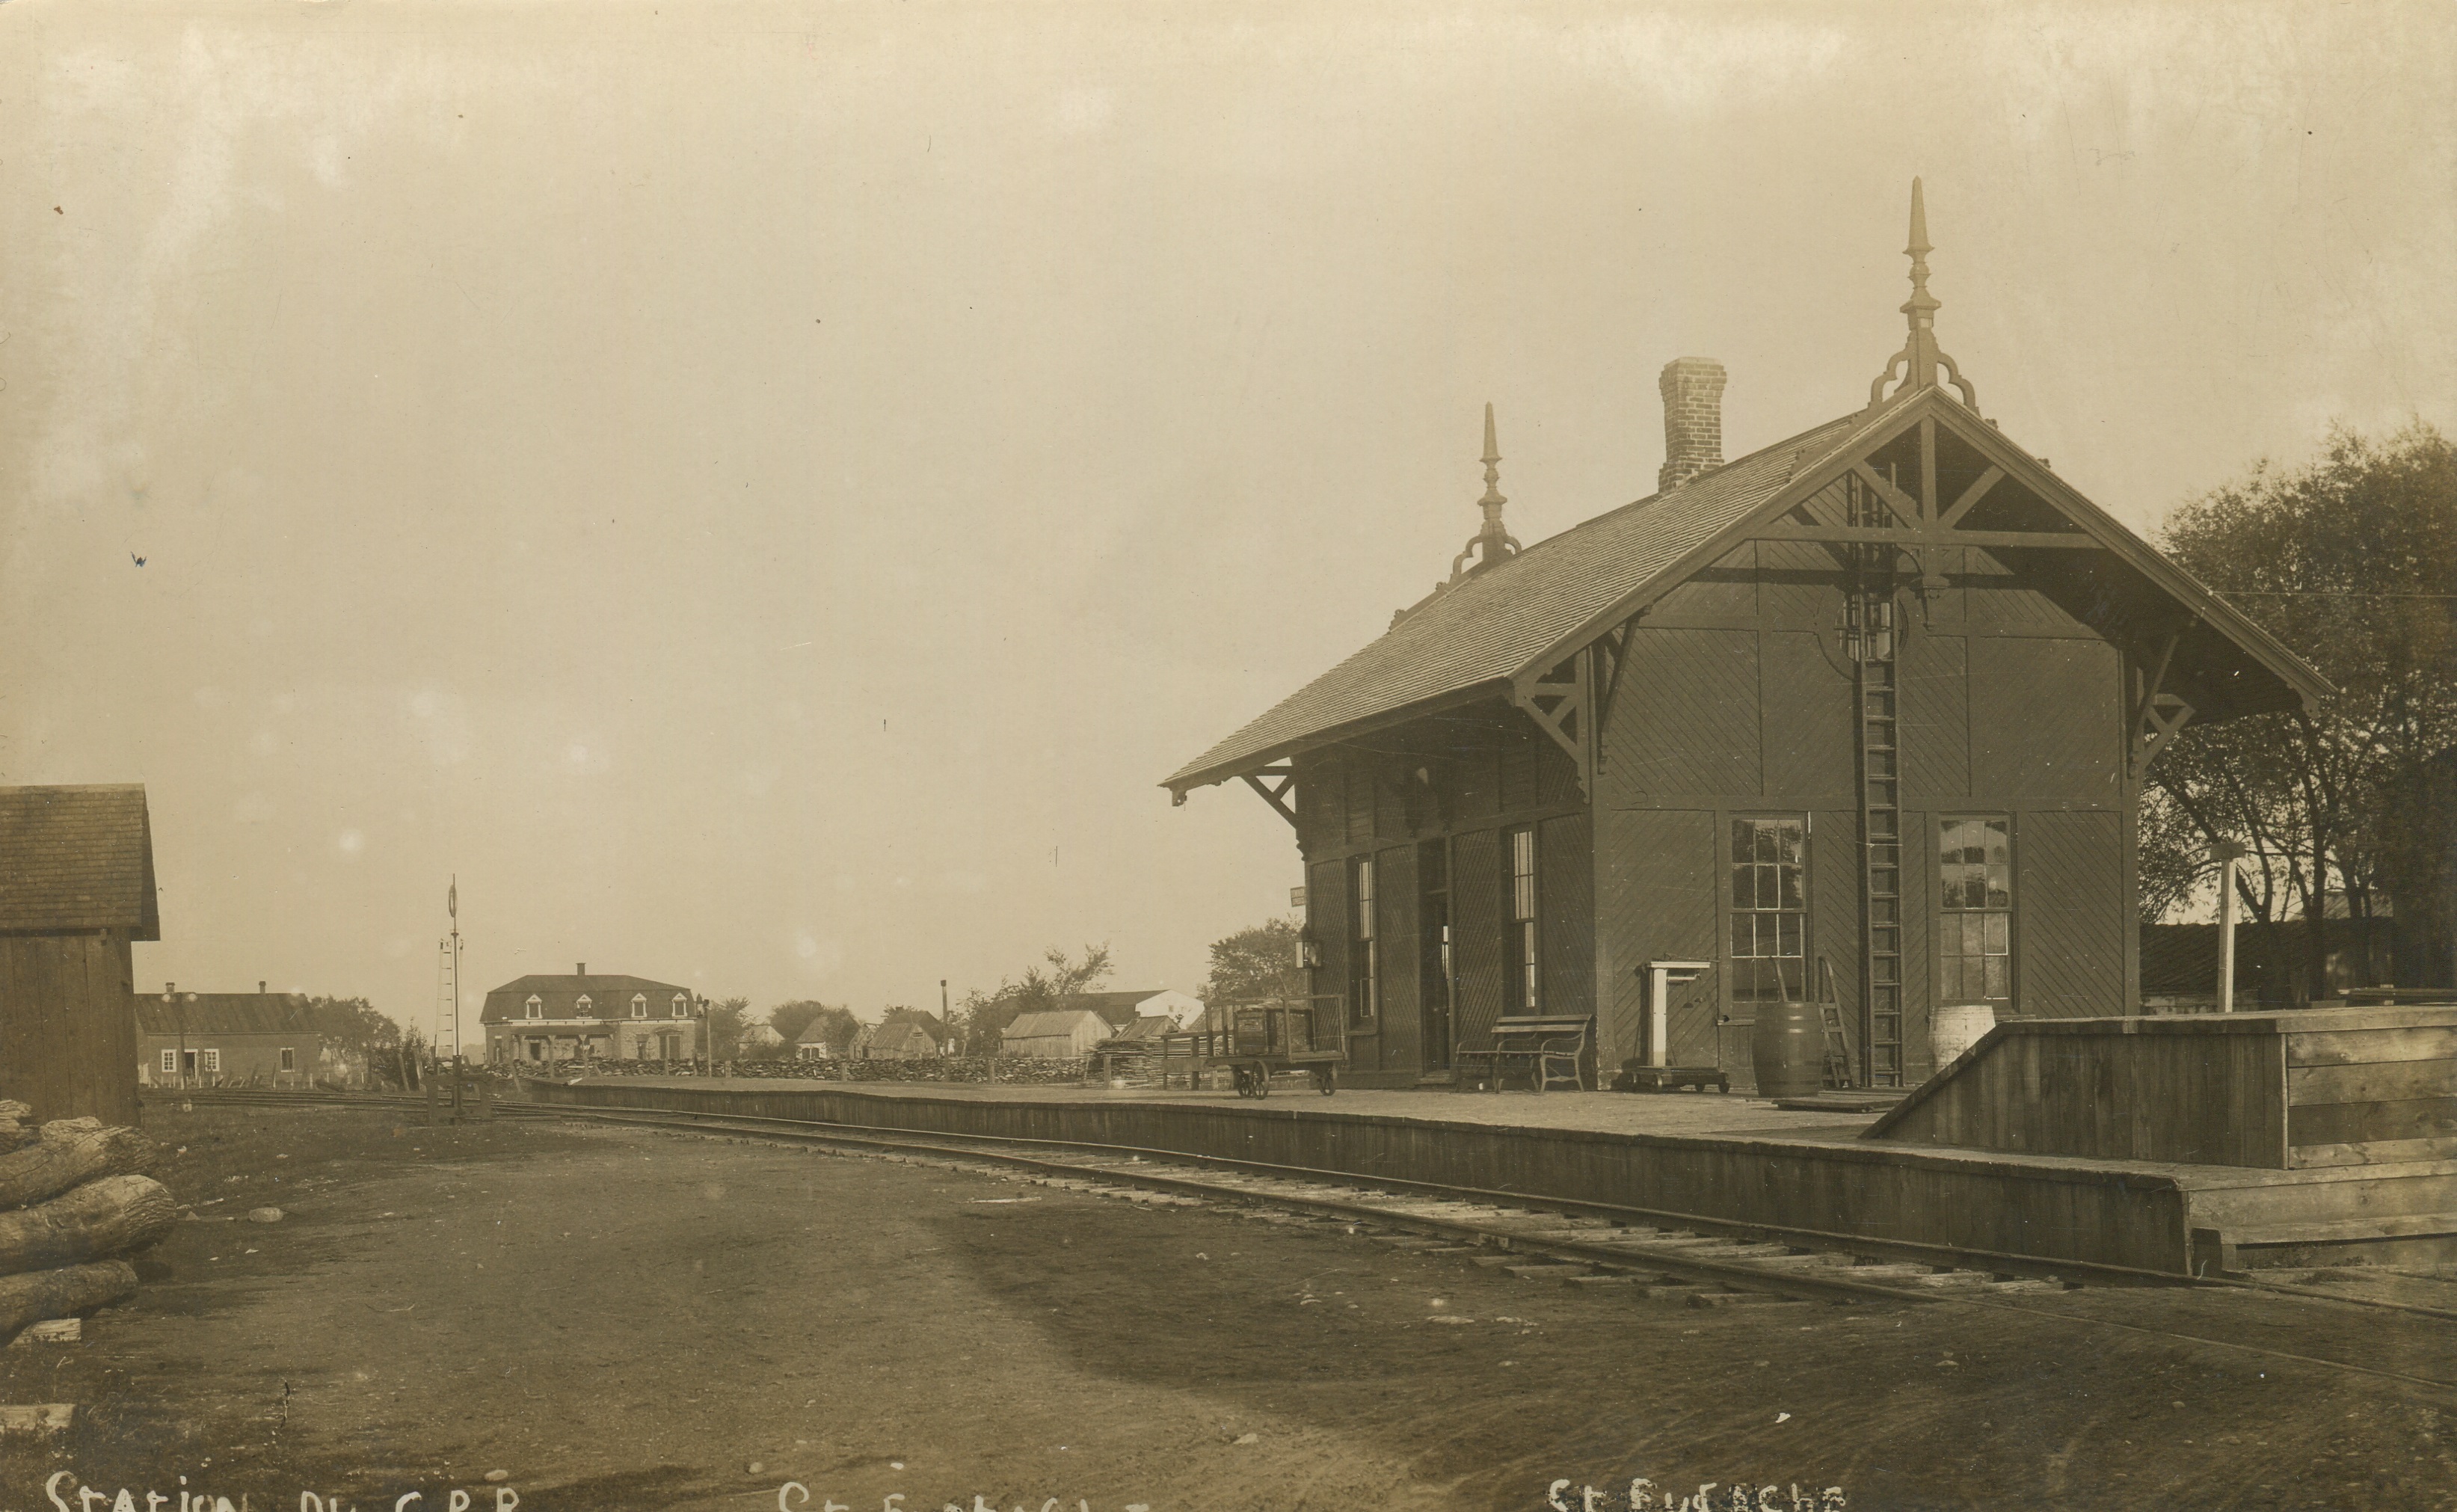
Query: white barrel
{"x": 1956, "y": 1028}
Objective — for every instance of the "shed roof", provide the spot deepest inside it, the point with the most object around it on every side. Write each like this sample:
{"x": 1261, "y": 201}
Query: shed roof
{"x": 77, "y": 858}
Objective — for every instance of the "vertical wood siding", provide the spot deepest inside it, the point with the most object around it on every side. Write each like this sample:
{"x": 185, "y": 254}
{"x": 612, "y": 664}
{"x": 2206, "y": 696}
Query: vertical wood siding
{"x": 68, "y": 1027}
{"x": 1326, "y": 920}
{"x": 2069, "y": 916}
{"x": 1395, "y": 896}
{"x": 1566, "y": 884}
{"x": 1476, "y": 898}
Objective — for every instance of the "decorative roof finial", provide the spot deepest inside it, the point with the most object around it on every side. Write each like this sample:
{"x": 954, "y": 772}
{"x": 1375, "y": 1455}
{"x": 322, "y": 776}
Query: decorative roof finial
{"x": 1491, "y": 544}
{"x": 1920, "y": 357}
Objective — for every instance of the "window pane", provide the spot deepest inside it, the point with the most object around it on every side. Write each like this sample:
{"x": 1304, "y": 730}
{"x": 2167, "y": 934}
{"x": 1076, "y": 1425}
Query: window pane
{"x": 2000, "y": 934}
{"x": 1744, "y": 840}
{"x": 1766, "y": 849}
{"x": 1791, "y": 895}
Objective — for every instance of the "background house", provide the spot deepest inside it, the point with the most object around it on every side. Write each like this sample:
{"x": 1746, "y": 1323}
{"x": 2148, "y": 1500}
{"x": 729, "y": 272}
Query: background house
{"x": 227, "y": 1038}
{"x": 812, "y": 1044}
{"x": 1121, "y": 1008}
{"x": 903, "y": 1040}
{"x": 76, "y": 888}
{"x": 1060, "y": 1034}
{"x": 542, "y": 1020}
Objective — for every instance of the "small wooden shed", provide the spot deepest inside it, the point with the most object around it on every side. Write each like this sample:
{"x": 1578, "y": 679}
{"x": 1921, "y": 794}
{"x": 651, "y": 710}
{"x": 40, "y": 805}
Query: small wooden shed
{"x": 76, "y": 890}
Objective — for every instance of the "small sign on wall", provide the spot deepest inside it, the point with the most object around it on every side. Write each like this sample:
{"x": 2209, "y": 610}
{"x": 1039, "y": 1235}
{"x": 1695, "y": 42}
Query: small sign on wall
{"x": 1296, "y": 898}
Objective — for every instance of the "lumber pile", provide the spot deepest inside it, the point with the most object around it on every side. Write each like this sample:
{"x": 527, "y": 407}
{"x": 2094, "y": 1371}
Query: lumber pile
{"x": 75, "y": 1202}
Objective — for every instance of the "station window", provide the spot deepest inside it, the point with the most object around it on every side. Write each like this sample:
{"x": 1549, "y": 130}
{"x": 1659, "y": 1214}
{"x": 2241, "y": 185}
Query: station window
{"x": 1364, "y": 955}
{"x": 1769, "y": 909}
{"x": 1524, "y": 947}
{"x": 289, "y": 1058}
{"x": 1975, "y": 929}
{"x": 536, "y": 1006}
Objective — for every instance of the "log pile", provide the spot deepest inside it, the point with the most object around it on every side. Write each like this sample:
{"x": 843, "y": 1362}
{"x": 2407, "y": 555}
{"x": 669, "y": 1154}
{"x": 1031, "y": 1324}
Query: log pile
{"x": 75, "y": 1202}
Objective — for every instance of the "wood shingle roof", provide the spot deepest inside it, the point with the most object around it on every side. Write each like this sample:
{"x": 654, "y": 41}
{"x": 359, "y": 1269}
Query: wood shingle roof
{"x": 74, "y": 860}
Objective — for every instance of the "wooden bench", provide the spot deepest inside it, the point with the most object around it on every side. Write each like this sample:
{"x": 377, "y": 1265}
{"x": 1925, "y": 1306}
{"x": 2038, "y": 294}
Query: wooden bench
{"x": 1551, "y": 1051}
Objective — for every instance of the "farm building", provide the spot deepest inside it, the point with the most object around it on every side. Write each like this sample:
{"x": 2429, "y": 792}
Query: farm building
{"x": 539, "y": 1020}
{"x": 76, "y": 890}
{"x": 811, "y": 1044}
{"x": 1863, "y": 715}
{"x": 227, "y": 1038}
{"x": 1061, "y": 1034}
{"x": 903, "y": 1040}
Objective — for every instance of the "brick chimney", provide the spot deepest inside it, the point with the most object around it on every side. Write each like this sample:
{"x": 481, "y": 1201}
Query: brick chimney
{"x": 259, "y": 989}
{"x": 580, "y": 969}
{"x": 1693, "y": 420}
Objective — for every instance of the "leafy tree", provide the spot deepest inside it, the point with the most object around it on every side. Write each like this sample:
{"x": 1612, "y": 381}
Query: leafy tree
{"x": 1060, "y": 981}
{"x": 355, "y": 1025}
{"x": 2351, "y": 562}
{"x": 725, "y": 1021}
{"x": 1258, "y": 961}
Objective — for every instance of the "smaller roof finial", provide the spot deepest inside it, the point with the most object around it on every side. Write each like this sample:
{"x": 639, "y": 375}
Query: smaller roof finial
{"x": 1920, "y": 357}
{"x": 1492, "y": 543}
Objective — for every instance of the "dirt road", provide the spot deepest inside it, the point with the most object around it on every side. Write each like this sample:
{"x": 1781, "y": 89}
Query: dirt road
{"x": 624, "y": 1319}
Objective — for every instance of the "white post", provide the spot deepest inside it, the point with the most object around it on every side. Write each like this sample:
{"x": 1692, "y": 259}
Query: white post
{"x": 2228, "y": 852}
{"x": 1661, "y": 977}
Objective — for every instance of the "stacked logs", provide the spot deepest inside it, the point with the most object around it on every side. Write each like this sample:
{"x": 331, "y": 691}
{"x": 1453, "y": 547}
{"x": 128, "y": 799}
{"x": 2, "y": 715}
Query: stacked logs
{"x": 73, "y": 1202}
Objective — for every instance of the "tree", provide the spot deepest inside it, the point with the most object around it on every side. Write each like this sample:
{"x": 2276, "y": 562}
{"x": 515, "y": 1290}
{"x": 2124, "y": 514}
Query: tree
{"x": 354, "y": 1026}
{"x": 724, "y": 1021}
{"x": 1258, "y": 961}
{"x": 1057, "y": 983}
{"x": 2350, "y": 563}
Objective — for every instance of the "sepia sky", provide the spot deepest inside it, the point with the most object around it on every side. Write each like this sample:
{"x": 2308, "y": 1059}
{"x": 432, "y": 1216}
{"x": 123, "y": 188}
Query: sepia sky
{"x": 765, "y": 492}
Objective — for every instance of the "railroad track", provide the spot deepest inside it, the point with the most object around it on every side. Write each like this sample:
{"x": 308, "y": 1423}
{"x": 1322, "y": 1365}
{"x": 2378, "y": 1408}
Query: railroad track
{"x": 1655, "y": 1255}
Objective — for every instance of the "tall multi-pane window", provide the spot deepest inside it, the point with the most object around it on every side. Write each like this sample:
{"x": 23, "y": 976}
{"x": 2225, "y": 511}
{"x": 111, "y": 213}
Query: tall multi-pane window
{"x": 1526, "y": 972}
{"x": 1976, "y": 924}
{"x": 1769, "y": 910}
{"x": 1364, "y": 951}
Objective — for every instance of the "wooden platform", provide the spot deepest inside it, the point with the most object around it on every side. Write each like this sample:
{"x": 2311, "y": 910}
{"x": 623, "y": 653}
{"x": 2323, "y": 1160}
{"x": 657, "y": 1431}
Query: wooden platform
{"x": 1801, "y": 1175}
{"x": 2353, "y": 1109}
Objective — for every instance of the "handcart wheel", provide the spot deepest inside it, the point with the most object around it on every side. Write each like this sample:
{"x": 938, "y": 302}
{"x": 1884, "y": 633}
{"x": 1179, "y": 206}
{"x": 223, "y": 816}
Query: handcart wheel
{"x": 1261, "y": 1081}
{"x": 1328, "y": 1078}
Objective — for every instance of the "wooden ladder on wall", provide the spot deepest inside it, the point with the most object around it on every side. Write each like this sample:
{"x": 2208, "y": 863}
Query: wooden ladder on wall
{"x": 1870, "y": 628}
{"x": 1838, "y": 1043}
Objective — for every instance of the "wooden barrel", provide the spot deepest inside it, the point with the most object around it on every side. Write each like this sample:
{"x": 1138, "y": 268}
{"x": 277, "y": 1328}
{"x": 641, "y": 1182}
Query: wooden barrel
{"x": 1956, "y": 1028}
{"x": 1790, "y": 1048}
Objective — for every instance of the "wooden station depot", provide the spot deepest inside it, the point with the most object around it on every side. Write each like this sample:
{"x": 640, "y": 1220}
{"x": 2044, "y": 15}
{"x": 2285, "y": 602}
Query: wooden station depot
{"x": 1855, "y": 724}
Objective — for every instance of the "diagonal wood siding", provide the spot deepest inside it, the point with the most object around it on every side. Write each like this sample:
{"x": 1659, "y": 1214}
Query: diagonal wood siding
{"x": 1689, "y": 700}
{"x": 1477, "y": 885}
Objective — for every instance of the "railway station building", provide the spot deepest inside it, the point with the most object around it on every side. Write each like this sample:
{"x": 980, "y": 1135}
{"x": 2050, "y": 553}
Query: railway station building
{"x": 1863, "y": 715}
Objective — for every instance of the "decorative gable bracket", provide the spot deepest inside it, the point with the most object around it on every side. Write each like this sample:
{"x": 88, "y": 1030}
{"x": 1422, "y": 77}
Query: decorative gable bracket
{"x": 1559, "y": 700}
{"x": 1276, "y": 792}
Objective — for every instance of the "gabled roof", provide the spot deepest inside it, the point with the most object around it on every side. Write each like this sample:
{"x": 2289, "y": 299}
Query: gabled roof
{"x": 1486, "y": 629}
{"x": 207, "y": 1013}
{"x": 1528, "y": 611}
{"x": 77, "y": 858}
{"x": 1053, "y": 1023}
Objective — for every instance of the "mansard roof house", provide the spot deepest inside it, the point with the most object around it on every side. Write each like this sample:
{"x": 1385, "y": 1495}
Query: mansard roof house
{"x": 1865, "y": 713}
{"x": 539, "y": 1020}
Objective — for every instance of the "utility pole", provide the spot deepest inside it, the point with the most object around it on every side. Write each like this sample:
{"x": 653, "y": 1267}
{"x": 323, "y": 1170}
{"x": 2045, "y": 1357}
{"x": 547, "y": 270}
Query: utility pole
{"x": 944, "y": 1016}
{"x": 2226, "y": 853}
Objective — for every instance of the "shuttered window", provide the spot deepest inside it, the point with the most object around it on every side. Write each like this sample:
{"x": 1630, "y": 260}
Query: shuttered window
{"x": 1975, "y": 926}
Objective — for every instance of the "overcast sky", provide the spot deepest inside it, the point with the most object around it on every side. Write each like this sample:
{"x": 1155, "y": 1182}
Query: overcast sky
{"x": 764, "y": 494}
